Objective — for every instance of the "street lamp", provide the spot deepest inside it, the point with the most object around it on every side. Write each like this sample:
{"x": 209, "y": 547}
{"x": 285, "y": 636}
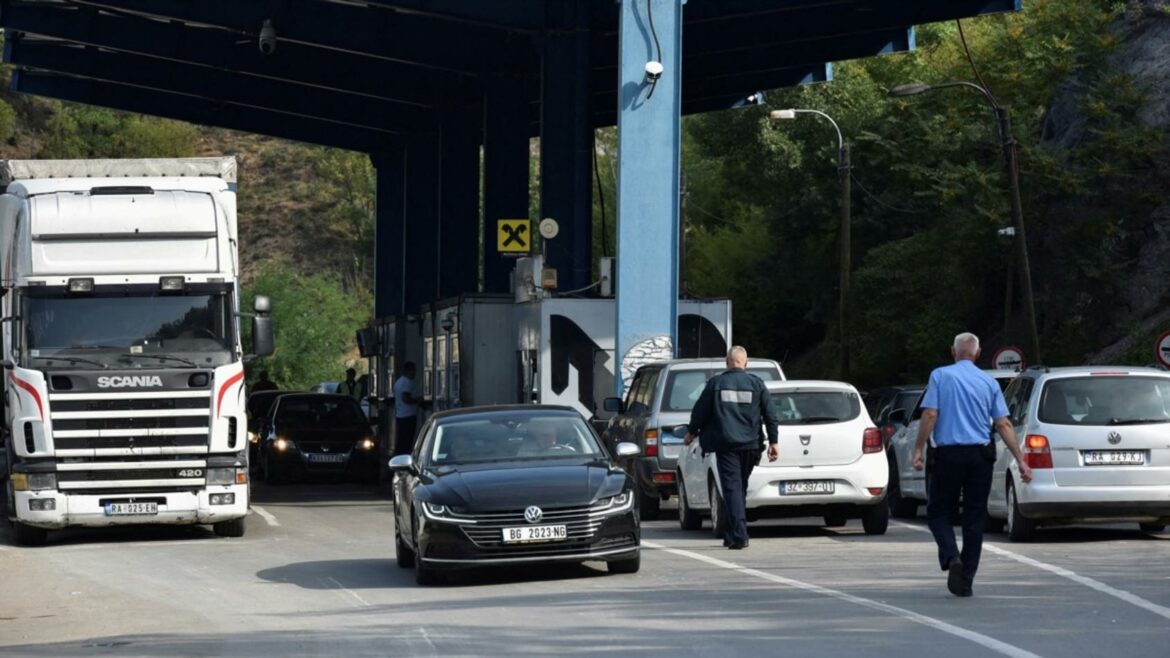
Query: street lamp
{"x": 1011, "y": 161}
{"x": 843, "y": 167}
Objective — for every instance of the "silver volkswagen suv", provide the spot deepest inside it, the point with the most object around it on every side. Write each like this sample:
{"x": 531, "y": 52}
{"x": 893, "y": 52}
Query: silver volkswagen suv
{"x": 1098, "y": 441}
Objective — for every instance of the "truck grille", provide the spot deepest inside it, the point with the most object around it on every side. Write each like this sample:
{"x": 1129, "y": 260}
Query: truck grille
{"x": 121, "y": 442}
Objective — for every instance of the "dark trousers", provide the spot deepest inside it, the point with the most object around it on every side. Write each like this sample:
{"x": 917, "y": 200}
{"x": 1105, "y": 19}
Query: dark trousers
{"x": 404, "y": 428}
{"x": 735, "y": 467}
{"x": 965, "y": 471}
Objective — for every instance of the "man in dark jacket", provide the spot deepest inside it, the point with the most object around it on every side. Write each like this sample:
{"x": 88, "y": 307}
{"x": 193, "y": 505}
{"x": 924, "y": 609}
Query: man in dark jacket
{"x": 727, "y": 418}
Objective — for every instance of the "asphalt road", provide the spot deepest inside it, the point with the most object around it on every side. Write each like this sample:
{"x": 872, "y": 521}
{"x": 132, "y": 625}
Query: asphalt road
{"x": 315, "y": 576}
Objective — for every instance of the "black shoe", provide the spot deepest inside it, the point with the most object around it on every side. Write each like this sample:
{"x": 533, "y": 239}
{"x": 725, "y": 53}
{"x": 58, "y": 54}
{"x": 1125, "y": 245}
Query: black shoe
{"x": 739, "y": 545}
{"x": 955, "y": 580}
{"x": 966, "y": 591}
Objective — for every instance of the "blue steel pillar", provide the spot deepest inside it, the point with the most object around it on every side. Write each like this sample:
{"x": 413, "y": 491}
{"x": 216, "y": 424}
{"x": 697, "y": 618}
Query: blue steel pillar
{"x": 389, "y": 231}
{"x": 459, "y": 202}
{"x": 420, "y": 246}
{"x": 566, "y": 142}
{"x": 648, "y": 184}
{"x": 505, "y": 172}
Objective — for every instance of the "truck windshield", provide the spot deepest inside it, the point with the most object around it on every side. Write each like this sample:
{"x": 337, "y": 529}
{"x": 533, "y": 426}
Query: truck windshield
{"x": 127, "y": 330}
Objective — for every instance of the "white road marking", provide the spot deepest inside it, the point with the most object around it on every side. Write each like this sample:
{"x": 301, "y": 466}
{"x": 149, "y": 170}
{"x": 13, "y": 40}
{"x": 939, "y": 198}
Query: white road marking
{"x": 348, "y": 591}
{"x": 978, "y": 638}
{"x": 266, "y": 515}
{"x": 1128, "y": 597}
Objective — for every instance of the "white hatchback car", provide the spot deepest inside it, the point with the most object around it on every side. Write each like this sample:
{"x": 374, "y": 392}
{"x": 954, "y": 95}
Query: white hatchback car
{"x": 831, "y": 464}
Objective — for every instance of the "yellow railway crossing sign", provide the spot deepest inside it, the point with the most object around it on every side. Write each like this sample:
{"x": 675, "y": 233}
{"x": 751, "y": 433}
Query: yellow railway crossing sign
{"x": 514, "y": 236}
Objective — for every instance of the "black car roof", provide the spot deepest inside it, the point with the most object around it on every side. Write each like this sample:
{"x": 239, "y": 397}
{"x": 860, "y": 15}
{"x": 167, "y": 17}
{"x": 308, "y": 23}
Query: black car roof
{"x": 496, "y": 408}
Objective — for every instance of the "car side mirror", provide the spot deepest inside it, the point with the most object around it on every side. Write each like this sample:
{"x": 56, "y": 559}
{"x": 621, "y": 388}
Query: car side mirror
{"x": 679, "y": 432}
{"x": 613, "y": 405}
{"x": 626, "y": 449}
{"x": 402, "y": 463}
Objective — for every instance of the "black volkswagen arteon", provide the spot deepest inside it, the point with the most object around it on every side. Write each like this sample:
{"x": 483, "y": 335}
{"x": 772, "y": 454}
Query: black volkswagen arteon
{"x": 512, "y": 485}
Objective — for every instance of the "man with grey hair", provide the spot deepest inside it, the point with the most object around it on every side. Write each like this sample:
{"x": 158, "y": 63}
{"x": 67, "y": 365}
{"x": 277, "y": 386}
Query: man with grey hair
{"x": 727, "y": 417}
{"x": 961, "y": 407}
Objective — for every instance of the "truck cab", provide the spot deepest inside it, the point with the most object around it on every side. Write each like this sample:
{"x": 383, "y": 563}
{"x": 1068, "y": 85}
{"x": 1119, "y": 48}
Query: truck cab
{"x": 124, "y": 380}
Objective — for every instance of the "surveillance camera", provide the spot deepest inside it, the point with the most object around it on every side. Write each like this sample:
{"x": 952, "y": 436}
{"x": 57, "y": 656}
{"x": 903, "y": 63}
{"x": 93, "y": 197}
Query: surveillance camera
{"x": 654, "y": 71}
{"x": 267, "y": 37}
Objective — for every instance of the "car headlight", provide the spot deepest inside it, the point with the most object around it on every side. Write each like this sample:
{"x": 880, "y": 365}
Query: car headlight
{"x": 253, "y": 437}
{"x": 33, "y": 481}
{"x": 283, "y": 444}
{"x": 444, "y": 514}
{"x": 367, "y": 444}
{"x": 614, "y": 504}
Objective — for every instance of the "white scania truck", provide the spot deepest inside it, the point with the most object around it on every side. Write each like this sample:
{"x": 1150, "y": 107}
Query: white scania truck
{"x": 123, "y": 366}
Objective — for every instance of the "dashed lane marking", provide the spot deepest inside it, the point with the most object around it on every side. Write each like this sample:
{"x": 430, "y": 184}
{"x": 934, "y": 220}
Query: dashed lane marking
{"x": 266, "y": 515}
{"x": 1128, "y": 597}
{"x": 985, "y": 641}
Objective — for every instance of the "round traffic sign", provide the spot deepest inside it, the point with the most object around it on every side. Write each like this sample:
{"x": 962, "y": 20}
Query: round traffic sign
{"x": 1162, "y": 349}
{"x": 1008, "y": 358}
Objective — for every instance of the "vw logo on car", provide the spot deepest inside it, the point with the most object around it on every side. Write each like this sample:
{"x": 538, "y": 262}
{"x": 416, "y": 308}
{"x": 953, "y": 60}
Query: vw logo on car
{"x": 1114, "y": 438}
{"x": 533, "y": 514}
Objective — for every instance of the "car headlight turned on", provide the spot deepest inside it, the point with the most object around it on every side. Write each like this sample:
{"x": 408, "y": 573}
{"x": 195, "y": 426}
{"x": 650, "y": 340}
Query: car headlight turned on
{"x": 253, "y": 437}
{"x": 614, "y": 504}
{"x": 33, "y": 481}
{"x": 283, "y": 444}
{"x": 444, "y": 514}
{"x": 367, "y": 444}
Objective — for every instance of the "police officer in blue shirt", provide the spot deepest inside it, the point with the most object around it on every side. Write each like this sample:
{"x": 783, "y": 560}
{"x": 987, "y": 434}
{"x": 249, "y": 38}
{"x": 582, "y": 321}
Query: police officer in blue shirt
{"x": 728, "y": 418}
{"x": 961, "y": 406}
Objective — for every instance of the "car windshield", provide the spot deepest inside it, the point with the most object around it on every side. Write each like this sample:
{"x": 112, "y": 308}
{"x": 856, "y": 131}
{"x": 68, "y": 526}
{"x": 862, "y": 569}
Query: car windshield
{"x": 813, "y": 407}
{"x": 318, "y": 412}
{"x": 1102, "y": 400}
{"x": 510, "y": 436}
{"x": 684, "y": 387}
{"x": 159, "y": 330}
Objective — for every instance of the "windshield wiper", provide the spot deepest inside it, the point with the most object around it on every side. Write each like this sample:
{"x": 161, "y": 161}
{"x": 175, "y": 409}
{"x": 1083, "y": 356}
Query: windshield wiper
{"x": 820, "y": 419}
{"x": 1136, "y": 421}
{"x": 161, "y": 357}
{"x": 78, "y": 359}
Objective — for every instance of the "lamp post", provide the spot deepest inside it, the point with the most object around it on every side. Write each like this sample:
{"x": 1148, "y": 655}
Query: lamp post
{"x": 1011, "y": 161}
{"x": 843, "y": 167}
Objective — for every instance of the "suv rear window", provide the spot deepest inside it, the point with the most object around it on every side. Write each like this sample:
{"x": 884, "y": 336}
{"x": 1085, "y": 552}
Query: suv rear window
{"x": 1105, "y": 401}
{"x": 815, "y": 407}
{"x": 684, "y": 387}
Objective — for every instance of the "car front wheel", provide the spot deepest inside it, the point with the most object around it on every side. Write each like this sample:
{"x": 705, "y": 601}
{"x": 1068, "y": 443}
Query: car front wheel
{"x": 625, "y": 566}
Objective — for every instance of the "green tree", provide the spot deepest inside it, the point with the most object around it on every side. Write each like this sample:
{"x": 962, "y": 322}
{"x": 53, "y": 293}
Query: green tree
{"x": 314, "y": 320}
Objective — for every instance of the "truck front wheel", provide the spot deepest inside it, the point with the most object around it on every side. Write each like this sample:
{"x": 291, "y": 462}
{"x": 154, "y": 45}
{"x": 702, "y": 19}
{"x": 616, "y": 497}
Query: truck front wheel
{"x": 27, "y": 535}
{"x": 230, "y": 528}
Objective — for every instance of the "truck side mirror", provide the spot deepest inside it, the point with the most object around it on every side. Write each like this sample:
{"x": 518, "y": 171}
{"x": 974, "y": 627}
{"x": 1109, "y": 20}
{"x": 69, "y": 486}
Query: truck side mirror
{"x": 263, "y": 343}
{"x": 613, "y": 405}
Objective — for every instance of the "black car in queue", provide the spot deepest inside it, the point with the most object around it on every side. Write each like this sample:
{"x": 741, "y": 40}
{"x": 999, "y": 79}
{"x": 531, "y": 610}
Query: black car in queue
{"x": 512, "y": 485}
{"x": 317, "y": 434}
{"x": 258, "y": 407}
